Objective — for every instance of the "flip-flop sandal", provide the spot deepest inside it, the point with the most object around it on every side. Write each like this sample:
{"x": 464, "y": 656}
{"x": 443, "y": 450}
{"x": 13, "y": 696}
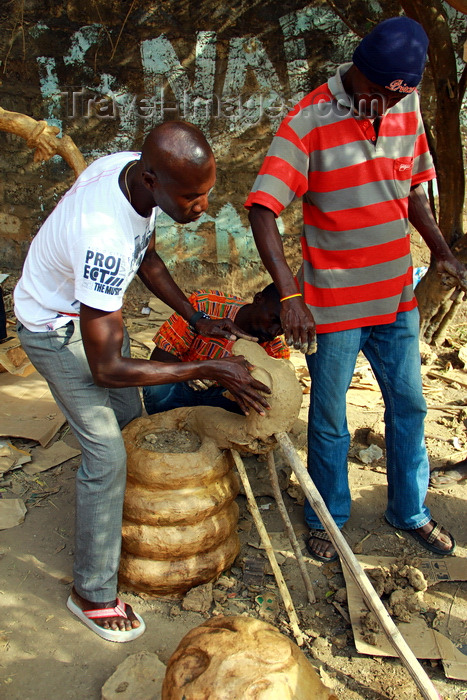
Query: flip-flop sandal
{"x": 319, "y": 535}
{"x": 88, "y": 617}
{"x": 439, "y": 479}
{"x": 428, "y": 542}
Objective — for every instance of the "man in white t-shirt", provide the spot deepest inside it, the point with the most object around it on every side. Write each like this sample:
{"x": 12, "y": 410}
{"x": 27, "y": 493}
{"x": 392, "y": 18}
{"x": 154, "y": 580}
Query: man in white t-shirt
{"x": 68, "y": 303}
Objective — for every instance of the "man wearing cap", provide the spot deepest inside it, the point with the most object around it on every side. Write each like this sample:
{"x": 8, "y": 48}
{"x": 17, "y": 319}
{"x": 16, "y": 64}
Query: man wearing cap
{"x": 355, "y": 151}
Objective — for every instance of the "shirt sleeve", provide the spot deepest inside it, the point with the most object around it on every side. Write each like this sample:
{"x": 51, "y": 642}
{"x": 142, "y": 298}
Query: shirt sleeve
{"x": 284, "y": 174}
{"x": 101, "y": 271}
{"x": 423, "y": 168}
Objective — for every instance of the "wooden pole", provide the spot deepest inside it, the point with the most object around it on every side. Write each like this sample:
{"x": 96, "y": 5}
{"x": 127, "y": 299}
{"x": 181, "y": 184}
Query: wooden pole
{"x": 284, "y": 591}
{"x": 289, "y": 528}
{"x": 349, "y": 559}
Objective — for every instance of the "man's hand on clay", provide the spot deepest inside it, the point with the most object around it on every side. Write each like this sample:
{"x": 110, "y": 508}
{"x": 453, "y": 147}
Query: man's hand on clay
{"x": 453, "y": 273}
{"x": 299, "y": 325}
{"x": 234, "y": 373}
{"x": 221, "y": 328}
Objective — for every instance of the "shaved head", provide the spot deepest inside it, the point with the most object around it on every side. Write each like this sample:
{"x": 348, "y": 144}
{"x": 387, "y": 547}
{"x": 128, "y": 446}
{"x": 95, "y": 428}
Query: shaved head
{"x": 173, "y": 146}
{"x": 177, "y": 171}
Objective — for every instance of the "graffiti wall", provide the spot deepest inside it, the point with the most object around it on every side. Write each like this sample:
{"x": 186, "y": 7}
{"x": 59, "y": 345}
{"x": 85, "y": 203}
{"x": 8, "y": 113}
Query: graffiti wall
{"x": 105, "y": 72}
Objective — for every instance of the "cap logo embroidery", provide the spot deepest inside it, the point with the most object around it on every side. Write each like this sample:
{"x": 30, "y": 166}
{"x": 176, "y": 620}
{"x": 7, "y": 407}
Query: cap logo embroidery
{"x": 399, "y": 86}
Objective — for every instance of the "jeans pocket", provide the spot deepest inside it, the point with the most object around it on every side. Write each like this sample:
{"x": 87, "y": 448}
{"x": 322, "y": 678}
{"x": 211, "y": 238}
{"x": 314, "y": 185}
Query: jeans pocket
{"x": 64, "y": 335}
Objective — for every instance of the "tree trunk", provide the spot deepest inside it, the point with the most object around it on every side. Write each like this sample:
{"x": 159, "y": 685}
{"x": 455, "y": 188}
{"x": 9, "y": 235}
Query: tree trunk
{"x": 459, "y": 5}
{"x": 434, "y": 299}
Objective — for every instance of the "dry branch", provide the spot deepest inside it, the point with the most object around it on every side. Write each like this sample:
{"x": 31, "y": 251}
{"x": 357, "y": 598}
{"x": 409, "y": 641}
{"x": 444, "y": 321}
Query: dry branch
{"x": 43, "y": 138}
{"x": 266, "y": 542}
{"x": 446, "y": 378}
{"x": 289, "y": 528}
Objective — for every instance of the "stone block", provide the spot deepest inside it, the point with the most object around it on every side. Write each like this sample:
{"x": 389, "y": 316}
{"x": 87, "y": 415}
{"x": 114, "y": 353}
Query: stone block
{"x": 139, "y": 677}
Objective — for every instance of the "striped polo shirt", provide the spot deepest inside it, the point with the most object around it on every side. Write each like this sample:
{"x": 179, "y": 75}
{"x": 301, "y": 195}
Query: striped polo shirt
{"x": 357, "y": 267}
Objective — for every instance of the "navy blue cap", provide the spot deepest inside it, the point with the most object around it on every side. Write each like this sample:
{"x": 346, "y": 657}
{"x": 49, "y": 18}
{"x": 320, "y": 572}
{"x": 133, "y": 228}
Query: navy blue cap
{"x": 393, "y": 54}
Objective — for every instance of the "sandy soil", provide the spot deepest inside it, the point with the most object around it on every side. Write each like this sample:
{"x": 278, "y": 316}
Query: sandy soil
{"x": 46, "y": 653}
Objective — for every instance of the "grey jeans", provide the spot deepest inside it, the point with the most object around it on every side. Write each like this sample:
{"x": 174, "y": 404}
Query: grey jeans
{"x": 96, "y": 416}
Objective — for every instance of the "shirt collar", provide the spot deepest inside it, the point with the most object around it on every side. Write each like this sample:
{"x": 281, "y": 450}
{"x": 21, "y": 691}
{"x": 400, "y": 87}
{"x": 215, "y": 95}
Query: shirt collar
{"x": 336, "y": 86}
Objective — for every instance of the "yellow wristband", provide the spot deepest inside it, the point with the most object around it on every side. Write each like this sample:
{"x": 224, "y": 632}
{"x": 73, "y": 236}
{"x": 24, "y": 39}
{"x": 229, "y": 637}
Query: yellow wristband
{"x": 291, "y": 296}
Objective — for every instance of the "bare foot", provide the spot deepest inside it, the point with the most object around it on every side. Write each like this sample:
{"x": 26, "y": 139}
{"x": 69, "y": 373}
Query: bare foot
{"x": 320, "y": 547}
{"x": 110, "y": 623}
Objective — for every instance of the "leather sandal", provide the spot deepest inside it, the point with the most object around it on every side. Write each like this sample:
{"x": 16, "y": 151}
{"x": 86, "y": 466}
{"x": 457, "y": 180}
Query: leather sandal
{"x": 319, "y": 535}
{"x": 428, "y": 542}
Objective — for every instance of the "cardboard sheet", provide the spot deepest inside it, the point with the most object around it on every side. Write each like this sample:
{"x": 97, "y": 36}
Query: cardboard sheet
{"x": 425, "y": 642}
{"x": 13, "y": 359}
{"x": 12, "y": 512}
{"x": 48, "y": 457}
{"x": 11, "y": 457}
{"x": 144, "y": 337}
{"x": 27, "y": 408}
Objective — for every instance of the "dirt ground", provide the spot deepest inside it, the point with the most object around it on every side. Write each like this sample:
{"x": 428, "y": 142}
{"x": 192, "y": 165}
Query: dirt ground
{"x": 47, "y": 653}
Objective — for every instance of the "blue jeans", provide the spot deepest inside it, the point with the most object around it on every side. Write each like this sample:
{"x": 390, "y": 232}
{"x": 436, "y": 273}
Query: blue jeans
{"x": 164, "y": 397}
{"x": 393, "y": 353}
{"x": 96, "y": 416}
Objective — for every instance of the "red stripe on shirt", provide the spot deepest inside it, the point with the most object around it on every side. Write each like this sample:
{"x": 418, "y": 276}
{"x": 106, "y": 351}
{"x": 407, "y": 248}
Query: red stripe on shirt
{"x": 286, "y": 132}
{"x": 351, "y": 176}
{"x": 366, "y": 320}
{"x": 420, "y": 146}
{"x": 358, "y": 257}
{"x": 318, "y": 94}
{"x": 279, "y": 168}
{"x": 424, "y": 176}
{"x": 361, "y": 217}
{"x": 326, "y": 297}
{"x": 265, "y": 200}
{"x": 336, "y": 134}
{"x": 391, "y": 124}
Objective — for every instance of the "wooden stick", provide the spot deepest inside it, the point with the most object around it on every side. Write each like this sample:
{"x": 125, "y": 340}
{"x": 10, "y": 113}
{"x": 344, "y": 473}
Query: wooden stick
{"x": 342, "y": 611}
{"x": 289, "y": 528}
{"x": 441, "y": 439}
{"x": 447, "y": 407}
{"x": 348, "y": 558}
{"x": 445, "y": 378}
{"x": 254, "y": 510}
